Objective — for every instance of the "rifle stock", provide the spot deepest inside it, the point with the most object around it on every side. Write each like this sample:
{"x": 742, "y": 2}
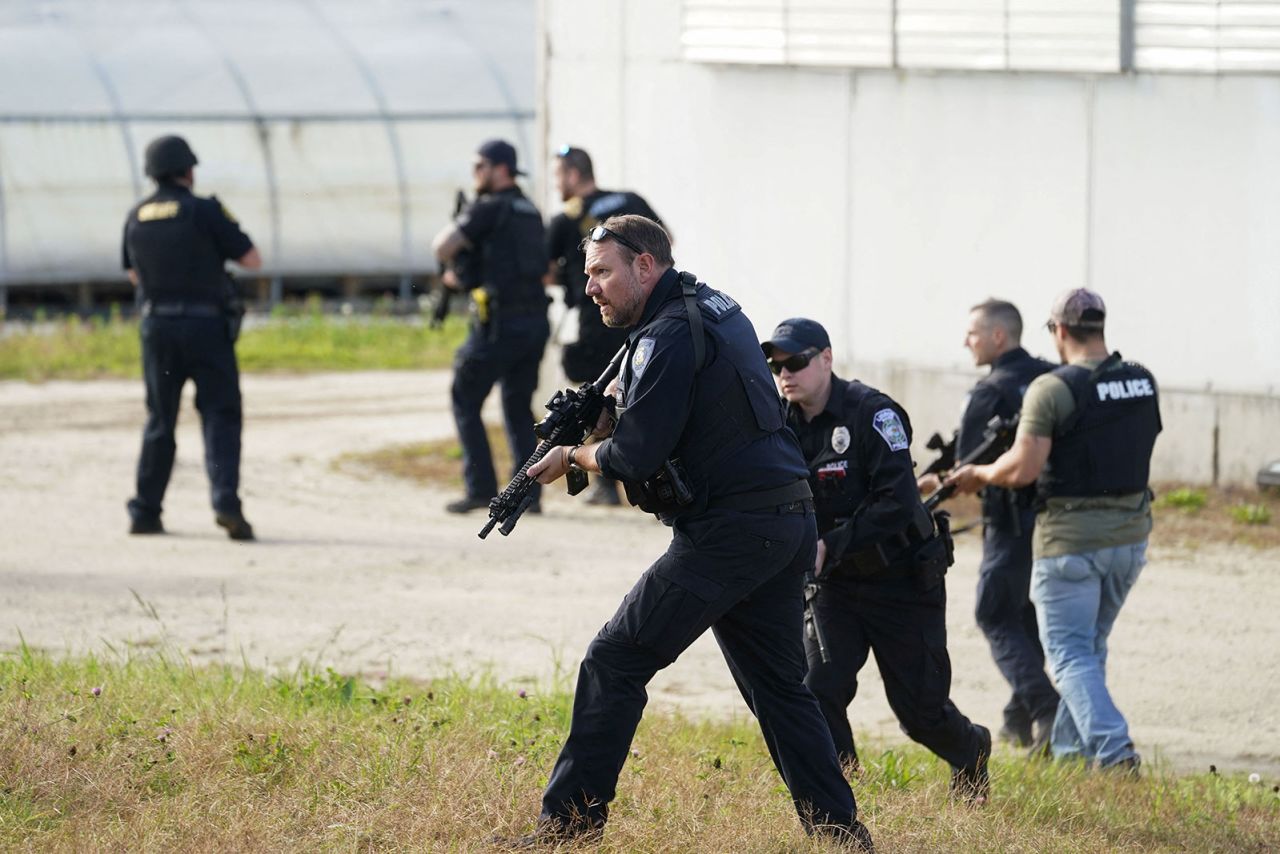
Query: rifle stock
{"x": 571, "y": 416}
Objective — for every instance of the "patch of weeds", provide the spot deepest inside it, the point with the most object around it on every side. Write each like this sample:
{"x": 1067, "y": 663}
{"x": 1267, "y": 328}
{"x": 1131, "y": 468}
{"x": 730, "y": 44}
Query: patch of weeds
{"x": 1250, "y": 514}
{"x": 1186, "y": 498}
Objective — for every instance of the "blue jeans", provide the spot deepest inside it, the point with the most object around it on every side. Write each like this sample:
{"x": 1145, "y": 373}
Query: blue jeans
{"x": 1077, "y": 599}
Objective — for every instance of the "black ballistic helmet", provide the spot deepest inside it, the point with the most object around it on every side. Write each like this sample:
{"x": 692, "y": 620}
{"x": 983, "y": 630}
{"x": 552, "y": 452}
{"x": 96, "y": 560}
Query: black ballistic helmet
{"x": 169, "y": 155}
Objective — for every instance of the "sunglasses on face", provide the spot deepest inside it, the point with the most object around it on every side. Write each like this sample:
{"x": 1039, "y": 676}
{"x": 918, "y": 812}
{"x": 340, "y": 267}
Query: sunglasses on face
{"x": 1051, "y": 325}
{"x": 601, "y": 233}
{"x": 795, "y": 363}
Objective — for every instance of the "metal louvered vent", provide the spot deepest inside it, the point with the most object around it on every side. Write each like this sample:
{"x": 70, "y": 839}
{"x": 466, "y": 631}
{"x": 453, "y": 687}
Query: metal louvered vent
{"x": 1053, "y": 35}
{"x": 1207, "y": 35}
{"x": 998, "y": 35}
{"x": 790, "y": 32}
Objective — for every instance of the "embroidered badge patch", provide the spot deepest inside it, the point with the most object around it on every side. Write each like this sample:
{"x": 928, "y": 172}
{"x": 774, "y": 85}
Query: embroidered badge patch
{"x": 889, "y": 426}
{"x": 640, "y": 358}
{"x": 840, "y": 439}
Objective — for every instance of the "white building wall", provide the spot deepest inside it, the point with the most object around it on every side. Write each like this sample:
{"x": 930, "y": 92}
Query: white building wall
{"x": 885, "y": 203}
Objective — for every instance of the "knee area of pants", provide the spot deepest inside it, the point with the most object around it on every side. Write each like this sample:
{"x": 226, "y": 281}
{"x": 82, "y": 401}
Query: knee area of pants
{"x": 607, "y": 653}
{"x": 824, "y": 681}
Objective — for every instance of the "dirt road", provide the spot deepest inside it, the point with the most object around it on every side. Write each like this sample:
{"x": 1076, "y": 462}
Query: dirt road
{"x": 363, "y": 573}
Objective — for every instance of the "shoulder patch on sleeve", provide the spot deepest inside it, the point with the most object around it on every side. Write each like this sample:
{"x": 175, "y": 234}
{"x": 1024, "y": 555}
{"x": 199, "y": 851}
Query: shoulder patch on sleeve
{"x": 889, "y": 426}
{"x": 641, "y": 356}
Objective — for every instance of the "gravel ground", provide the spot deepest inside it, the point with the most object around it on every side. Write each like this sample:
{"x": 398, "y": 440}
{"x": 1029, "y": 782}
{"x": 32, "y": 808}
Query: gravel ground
{"x": 362, "y": 572}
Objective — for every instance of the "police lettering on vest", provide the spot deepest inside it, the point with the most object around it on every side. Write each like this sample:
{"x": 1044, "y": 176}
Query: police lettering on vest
{"x": 1117, "y": 389}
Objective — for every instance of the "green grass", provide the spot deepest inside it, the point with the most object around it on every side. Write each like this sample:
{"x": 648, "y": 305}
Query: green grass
{"x": 289, "y": 341}
{"x": 1184, "y": 498}
{"x": 1251, "y": 514}
{"x": 175, "y": 757}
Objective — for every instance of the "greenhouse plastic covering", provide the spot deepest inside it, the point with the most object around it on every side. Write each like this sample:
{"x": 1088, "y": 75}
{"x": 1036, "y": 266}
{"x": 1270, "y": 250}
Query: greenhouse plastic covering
{"x": 337, "y": 132}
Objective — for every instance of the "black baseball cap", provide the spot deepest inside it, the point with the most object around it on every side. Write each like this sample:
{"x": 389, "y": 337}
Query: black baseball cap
{"x": 795, "y": 336}
{"x": 500, "y": 151}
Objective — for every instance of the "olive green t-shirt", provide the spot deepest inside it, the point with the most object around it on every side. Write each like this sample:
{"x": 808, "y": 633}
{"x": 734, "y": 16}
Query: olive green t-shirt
{"x": 1075, "y": 525}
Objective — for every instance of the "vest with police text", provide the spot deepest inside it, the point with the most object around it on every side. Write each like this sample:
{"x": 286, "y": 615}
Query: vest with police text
{"x": 1105, "y": 446}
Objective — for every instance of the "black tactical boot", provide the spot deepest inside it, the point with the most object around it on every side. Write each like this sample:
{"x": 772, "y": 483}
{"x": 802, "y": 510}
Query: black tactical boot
{"x": 146, "y": 525}
{"x": 238, "y": 527}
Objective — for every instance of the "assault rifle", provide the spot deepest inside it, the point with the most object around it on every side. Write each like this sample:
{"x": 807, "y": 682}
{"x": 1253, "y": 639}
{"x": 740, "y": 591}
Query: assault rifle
{"x": 946, "y": 449}
{"x": 571, "y": 416}
{"x": 997, "y": 437}
{"x": 441, "y": 309}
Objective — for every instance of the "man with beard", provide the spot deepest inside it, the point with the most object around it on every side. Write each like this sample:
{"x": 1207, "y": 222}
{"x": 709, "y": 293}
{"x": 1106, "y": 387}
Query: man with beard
{"x": 700, "y": 442}
{"x": 501, "y": 240}
{"x": 586, "y": 206}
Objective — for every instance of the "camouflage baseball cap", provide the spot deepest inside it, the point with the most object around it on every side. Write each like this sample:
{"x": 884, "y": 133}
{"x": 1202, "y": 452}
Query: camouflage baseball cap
{"x": 1079, "y": 307}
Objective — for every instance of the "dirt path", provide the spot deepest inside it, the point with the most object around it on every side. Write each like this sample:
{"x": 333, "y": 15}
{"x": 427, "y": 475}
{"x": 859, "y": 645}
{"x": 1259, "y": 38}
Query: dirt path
{"x": 362, "y": 573}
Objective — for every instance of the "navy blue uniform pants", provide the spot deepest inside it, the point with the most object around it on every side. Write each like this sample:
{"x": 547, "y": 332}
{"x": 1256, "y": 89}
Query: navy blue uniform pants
{"x": 510, "y": 359}
{"x": 907, "y": 629}
{"x": 175, "y": 349}
{"x": 1008, "y": 619}
{"x": 739, "y": 574}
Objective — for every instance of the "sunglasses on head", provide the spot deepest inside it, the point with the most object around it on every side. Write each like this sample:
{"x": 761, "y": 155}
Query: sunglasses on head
{"x": 795, "y": 363}
{"x": 601, "y": 233}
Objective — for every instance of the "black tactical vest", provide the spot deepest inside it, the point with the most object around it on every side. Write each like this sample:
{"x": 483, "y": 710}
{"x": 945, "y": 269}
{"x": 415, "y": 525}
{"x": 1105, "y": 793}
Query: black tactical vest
{"x": 1010, "y": 381}
{"x": 175, "y": 260}
{"x": 1105, "y": 446}
{"x": 514, "y": 257}
{"x": 734, "y": 398}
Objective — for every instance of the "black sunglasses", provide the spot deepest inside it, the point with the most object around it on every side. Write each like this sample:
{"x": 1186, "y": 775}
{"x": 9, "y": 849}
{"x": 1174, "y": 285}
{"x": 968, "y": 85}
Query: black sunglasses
{"x": 795, "y": 363}
{"x": 600, "y": 233}
{"x": 1051, "y": 325}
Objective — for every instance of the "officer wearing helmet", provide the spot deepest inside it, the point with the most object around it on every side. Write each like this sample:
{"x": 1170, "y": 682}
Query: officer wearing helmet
{"x": 175, "y": 248}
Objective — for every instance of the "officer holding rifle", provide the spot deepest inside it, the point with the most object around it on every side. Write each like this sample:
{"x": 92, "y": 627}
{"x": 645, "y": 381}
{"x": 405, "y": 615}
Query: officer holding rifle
{"x": 1004, "y": 611}
{"x": 700, "y": 442}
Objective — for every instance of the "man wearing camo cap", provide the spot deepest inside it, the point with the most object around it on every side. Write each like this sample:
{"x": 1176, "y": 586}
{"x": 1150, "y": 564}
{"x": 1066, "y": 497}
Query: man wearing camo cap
{"x": 1085, "y": 437}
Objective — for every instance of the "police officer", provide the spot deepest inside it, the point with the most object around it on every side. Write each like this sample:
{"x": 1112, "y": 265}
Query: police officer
{"x": 1004, "y": 611}
{"x": 496, "y": 251}
{"x": 175, "y": 248}
{"x": 586, "y": 206}
{"x": 700, "y": 442}
{"x": 1085, "y": 438}
{"x": 880, "y": 560}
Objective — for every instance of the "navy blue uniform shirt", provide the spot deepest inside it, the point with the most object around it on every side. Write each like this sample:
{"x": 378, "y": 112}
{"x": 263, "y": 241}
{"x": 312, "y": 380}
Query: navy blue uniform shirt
{"x": 860, "y": 469}
{"x": 178, "y": 243}
{"x": 999, "y": 393}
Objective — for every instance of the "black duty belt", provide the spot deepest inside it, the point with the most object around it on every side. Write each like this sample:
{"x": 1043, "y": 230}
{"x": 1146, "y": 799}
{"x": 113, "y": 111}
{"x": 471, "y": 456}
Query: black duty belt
{"x": 180, "y": 309}
{"x": 792, "y": 498}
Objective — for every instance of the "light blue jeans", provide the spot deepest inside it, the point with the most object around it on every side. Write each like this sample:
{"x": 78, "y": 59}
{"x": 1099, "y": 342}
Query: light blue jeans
{"x": 1077, "y": 599}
